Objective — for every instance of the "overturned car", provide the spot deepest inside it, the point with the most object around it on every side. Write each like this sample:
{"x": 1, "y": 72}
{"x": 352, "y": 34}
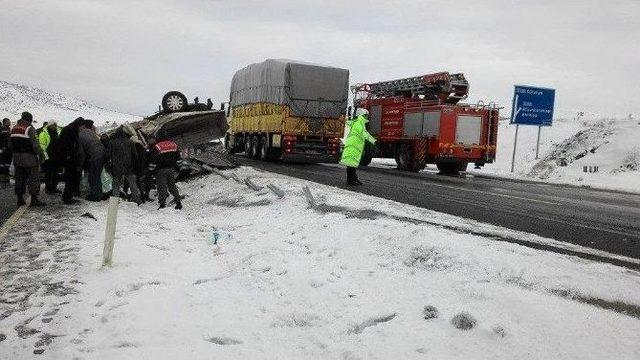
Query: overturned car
{"x": 195, "y": 127}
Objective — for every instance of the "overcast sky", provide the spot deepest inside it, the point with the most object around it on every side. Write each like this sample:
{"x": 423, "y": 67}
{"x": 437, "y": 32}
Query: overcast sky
{"x": 125, "y": 55}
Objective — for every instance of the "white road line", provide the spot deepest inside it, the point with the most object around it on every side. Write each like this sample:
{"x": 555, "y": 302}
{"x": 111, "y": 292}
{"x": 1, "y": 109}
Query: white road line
{"x": 11, "y": 221}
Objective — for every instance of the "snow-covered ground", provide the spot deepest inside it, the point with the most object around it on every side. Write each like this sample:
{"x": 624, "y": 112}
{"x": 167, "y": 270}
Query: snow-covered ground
{"x": 613, "y": 145}
{"x": 49, "y": 106}
{"x": 348, "y": 279}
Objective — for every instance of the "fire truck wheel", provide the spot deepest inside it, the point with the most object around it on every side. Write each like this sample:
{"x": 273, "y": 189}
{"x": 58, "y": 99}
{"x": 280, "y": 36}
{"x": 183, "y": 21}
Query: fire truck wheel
{"x": 404, "y": 157}
{"x": 247, "y": 146}
{"x": 462, "y": 166}
{"x": 264, "y": 151}
{"x": 255, "y": 146}
{"x": 448, "y": 168}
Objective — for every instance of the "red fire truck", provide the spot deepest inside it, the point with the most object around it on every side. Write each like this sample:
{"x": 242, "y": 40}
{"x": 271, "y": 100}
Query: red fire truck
{"x": 419, "y": 120}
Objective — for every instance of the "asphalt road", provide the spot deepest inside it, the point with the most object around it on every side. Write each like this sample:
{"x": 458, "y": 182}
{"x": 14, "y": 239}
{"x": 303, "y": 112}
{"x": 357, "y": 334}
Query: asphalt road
{"x": 7, "y": 202}
{"x": 603, "y": 220}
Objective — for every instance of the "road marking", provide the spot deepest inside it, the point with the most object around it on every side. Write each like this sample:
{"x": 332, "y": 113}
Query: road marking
{"x": 477, "y": 191}
{"x": 6, "y": 227}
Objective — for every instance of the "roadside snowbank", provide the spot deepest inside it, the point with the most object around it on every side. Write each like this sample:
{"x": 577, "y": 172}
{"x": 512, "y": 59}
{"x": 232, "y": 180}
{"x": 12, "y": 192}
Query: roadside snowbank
{"x": 613, "y": 145}
{"x": 349, "y": 279}
{"x": 565, "y": 148}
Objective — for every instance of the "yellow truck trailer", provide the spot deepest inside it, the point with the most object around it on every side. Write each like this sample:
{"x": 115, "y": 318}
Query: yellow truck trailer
{"x": 283, "y": 109}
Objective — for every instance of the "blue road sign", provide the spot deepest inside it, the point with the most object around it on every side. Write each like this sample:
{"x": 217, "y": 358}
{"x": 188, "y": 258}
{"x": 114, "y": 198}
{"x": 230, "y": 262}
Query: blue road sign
{"x": 532, "y": 106}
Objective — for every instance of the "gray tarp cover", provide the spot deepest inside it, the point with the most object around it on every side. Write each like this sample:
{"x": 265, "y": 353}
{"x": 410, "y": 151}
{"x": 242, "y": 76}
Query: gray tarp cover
{"x": 310, "y": 90}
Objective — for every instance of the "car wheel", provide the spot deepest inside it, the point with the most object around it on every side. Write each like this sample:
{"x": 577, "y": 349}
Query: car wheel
{"x": 174, "y": 101}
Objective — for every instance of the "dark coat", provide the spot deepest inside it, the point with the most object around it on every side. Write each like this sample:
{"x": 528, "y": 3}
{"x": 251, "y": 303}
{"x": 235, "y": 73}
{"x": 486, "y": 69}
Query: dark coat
{"x": 122, "y": 154}
{"x": 26, "y": 151}
{"x": 5, "y": 153}
{"x": 165, "y": 154}
{"x": 90, "y": 145}
{"x": 53, "y": 150}
{"x": 69, "y": 153}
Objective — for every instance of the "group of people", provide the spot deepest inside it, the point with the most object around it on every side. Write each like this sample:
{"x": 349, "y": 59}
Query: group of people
{"x": 65, "y": 153}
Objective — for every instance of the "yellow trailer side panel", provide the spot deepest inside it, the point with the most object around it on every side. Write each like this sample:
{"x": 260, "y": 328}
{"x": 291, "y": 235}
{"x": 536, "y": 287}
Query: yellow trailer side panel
{"x": 273, "y": 118}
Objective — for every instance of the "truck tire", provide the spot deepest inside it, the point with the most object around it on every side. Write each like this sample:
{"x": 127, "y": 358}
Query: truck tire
{"x": 406, "y": 160}
{"x": 255, "y": 146}
{"x": 247, "y": 145}
{"x": 448, "y": 168}
{"x": 462, "y": 166}
{"x": 231, "y": 148}
{"x": 264, "y": 151}
{"x": 174, "y": 101}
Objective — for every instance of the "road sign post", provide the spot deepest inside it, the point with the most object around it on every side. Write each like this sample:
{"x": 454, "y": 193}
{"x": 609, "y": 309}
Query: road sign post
{"x": 538, "y": 142}
{"x": 515, "y": 143}
{"x": 531, "y": 106}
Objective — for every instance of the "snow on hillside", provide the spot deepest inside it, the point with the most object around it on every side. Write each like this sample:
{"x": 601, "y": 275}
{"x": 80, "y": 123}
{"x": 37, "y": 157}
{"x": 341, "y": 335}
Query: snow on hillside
{"x": 47, "y": 106}
{"x": 613, "y": 145}
{"x": 356, "y": 277}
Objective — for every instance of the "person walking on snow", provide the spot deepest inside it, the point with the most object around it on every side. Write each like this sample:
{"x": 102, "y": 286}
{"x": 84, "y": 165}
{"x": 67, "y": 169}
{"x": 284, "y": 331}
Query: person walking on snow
{"x": 165, "y": 156}
{"x": 354, "y": 145}
{"x": 122, "y": 159}
{"x": 27, "y": 156}
{"x": 5, "y": 154}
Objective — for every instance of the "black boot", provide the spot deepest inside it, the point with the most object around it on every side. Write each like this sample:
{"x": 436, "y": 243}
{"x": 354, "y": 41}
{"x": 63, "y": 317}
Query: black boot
{"x": 21, "y": 201}
{"x": 178, "y": 205}
{"x": 36, "y": 203}
{"x": 162, "y": 206}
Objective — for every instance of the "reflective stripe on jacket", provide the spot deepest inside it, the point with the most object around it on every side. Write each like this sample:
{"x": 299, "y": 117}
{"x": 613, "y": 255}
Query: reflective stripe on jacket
{"x": 165, "y": 154}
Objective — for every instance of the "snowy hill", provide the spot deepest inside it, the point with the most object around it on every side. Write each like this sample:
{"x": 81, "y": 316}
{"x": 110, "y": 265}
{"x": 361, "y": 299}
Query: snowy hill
{"x": 47, "y": 106}
{"x": 613, "y": 145}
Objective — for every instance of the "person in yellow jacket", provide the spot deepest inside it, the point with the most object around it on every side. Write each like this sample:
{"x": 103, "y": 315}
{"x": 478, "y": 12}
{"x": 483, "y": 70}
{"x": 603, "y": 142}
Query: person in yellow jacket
{"x": 354, "y": 145}
{"x": 48, "y": 140}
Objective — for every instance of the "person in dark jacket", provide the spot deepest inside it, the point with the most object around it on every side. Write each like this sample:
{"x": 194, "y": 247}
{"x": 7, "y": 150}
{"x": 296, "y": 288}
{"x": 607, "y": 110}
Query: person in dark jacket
{"x": 5, "y": 153}
{"x": 122, "y": 157}
{"x": 165, "y": 156}
{"x": 27, "y": 156}
{"x": 50, "y": 144}
{"x": 94, "y": 153}
{"x": 70, "y": 159}
{"x": 142, "y": 169}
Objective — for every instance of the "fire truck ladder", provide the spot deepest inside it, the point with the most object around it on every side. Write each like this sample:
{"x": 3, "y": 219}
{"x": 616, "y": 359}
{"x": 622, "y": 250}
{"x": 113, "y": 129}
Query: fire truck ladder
{"x": 449, "y": 88}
